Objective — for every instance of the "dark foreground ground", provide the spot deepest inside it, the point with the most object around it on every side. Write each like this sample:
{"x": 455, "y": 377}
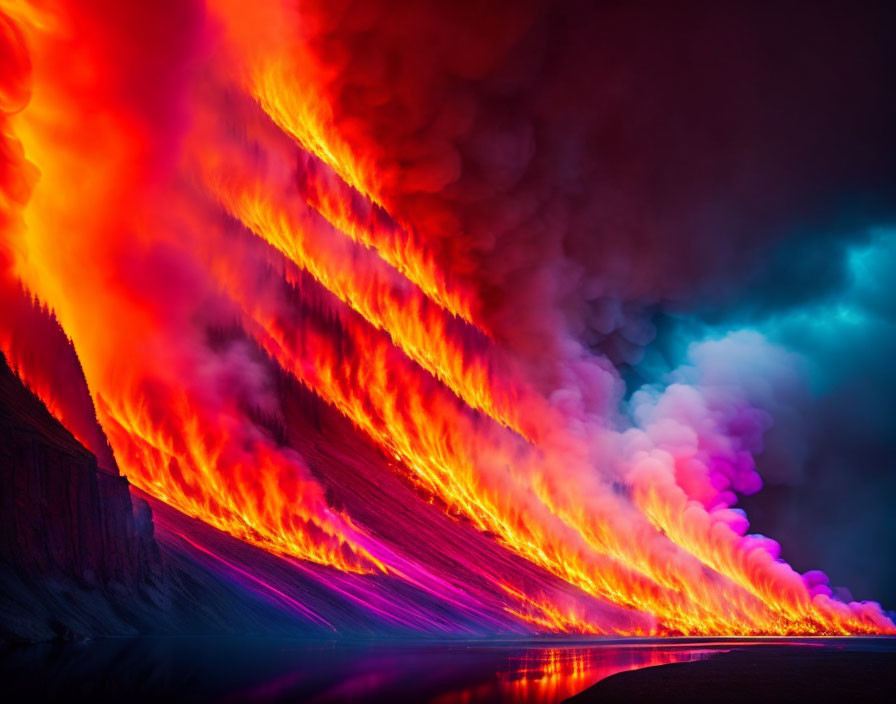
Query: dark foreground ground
{"x": 540, "y": 671}
{"x": 857, "y": 671}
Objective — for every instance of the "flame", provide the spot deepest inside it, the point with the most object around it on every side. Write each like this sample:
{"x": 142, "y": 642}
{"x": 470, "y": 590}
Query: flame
{"x": 421, "y": 427}
{"x": 260, "y": 497}
{"x": 275, "y": 79}
{"x": 141, "y": 258}
{"x": 200, "y": 454}
{"x": 548, "y": 616}
{"x": 414, "y": 324}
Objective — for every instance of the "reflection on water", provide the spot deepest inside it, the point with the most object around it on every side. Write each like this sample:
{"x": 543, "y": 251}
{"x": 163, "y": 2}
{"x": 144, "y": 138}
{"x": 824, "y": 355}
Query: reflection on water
{"x": 274, "y": 670}
{"x": 545, "y": 675}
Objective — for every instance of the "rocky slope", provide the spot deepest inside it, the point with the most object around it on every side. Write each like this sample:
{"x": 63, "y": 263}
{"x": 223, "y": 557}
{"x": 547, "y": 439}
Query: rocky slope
{"x": 84, "y": 554}
{"x": 66, "y": 526}
{"x": 59, "y": 513}
{"x": 78, "y": 557}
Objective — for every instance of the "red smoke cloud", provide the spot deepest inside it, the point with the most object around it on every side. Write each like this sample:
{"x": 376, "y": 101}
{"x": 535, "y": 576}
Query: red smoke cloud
{"x": 419, "y": 213}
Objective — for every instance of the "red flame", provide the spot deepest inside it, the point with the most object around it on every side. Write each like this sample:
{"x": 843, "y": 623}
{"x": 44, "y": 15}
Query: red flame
{"x": 187, "y": 247}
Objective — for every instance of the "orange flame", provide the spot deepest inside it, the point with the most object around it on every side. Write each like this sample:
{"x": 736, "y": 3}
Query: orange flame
{"x": 134, "y": 257}
{"x": 278, "y": 80}
{"x": 206, "y": 460}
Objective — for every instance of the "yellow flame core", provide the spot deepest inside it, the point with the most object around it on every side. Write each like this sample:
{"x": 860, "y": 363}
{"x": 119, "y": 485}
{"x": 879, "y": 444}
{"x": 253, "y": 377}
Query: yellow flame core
{"x": 456, "y": 416}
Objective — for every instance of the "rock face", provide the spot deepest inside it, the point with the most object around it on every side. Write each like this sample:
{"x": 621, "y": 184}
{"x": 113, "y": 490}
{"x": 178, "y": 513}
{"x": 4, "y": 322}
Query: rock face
{"x": 78, "y": 556}
{"x": 42, "y": 355}
{"x": 59, "y": 513}
{"x": 64, "y": 522}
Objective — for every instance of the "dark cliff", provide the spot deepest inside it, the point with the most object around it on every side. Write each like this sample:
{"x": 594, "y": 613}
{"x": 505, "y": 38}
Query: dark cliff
{"x": 66, "y": 526}
{"x": 42, "y": 355}
{"x": 59, "y": 513}
{"x": 79, "y": 558}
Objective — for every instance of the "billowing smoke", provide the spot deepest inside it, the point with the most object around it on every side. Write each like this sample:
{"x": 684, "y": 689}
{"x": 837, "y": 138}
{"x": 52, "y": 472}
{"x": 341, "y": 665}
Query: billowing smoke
{"x": 594, "y": 172}
{"x": 484, "y": 235}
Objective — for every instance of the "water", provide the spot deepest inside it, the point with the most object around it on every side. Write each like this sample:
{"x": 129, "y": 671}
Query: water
{"x": 277, "y": 670}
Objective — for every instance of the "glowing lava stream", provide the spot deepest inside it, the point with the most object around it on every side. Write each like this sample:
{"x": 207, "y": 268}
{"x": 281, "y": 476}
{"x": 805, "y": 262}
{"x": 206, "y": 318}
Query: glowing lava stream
{"x": 369, "y": 224}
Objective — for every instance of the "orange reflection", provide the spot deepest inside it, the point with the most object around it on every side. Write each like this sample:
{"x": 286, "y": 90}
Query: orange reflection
{"x": 547, "y": 676}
